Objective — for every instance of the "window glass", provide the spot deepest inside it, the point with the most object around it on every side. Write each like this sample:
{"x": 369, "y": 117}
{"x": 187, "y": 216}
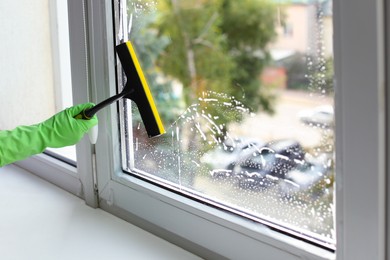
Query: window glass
{"x": 248, "y": 111}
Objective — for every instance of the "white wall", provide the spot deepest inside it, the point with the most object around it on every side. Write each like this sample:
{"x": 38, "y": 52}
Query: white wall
{"x": 26, "y": 71}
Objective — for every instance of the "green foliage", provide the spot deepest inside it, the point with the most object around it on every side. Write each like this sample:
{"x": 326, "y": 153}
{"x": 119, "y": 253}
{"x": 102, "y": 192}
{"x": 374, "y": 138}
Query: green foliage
{"x": 208, "y": 46}
{"x": 218, "y": 45}
{"x": 194, "y": 30}
{"x": 248, "y": 24}
{"x": 326, "y": 73}
{"x": 149, "y": 45}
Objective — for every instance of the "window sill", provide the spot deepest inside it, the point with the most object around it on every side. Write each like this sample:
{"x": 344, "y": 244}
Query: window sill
{"x": 54, "y": 171}
{"x": 62, "y": 226}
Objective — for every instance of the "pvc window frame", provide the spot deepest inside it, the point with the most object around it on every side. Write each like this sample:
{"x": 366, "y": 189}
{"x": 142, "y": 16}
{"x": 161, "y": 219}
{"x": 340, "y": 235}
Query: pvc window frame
{"x": 360, "y": 47}
{"x": 360, "y": 131}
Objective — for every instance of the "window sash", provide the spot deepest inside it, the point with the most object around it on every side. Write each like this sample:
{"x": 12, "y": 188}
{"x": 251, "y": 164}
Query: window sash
{"x": 359, "y": 46}
{"x": 139, "y": 198}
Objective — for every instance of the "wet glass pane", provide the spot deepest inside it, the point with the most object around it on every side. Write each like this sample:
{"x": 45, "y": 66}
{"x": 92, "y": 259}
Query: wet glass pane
{"x": 245, "y": 91}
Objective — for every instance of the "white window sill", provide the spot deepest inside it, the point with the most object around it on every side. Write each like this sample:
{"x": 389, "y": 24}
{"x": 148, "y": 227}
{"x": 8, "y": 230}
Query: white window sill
{"x": 41, "y": 221}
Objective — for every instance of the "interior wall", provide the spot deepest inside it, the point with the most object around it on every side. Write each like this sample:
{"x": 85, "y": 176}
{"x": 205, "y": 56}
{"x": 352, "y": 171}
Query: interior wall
{"x": 26, "y": 71}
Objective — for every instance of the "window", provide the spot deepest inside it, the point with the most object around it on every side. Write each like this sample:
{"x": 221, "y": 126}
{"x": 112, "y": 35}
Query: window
{"x": 203, "y": 227}
{"x": 36, "y": 79}
{"x": 258, "y": 145}
{"x": 45, "y": 87}
{"x": 62, "y": 79}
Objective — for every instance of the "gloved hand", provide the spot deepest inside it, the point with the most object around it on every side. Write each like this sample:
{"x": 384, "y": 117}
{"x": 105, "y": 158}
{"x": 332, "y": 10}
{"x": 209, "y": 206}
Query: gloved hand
{"x": 60, "y": 130}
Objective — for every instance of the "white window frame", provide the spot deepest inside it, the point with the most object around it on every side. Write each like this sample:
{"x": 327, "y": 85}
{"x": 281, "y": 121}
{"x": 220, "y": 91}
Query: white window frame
{"x": 361, "y": 135}
{"x": 360, "y": 51}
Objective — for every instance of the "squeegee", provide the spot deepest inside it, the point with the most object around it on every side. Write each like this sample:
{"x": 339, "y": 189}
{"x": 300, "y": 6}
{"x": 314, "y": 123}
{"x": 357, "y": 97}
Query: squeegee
{"x": 136, "y": 89}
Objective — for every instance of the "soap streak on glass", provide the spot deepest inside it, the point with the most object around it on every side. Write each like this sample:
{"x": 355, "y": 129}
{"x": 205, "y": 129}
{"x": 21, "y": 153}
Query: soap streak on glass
{"x": 260, "y": 146}
{"x": 178, "y": 155}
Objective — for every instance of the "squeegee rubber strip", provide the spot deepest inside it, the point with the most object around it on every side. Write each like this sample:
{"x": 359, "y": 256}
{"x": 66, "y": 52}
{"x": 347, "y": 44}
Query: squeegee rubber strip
{"x": 145, "y": 87}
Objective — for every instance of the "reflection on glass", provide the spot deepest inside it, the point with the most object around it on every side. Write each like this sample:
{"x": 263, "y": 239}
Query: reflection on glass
{"x": 245, "y": 89}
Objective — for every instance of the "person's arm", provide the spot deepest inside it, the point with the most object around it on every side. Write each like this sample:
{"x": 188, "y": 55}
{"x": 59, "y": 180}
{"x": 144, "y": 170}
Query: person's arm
{"x": 60, "y": 130}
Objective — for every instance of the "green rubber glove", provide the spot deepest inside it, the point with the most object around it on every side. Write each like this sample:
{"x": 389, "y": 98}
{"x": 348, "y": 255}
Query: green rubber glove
{"x": 60, "y": 130}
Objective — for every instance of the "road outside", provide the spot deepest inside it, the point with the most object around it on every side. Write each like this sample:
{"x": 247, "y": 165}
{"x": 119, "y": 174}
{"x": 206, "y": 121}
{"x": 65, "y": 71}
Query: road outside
{"x": 285, "y": 122}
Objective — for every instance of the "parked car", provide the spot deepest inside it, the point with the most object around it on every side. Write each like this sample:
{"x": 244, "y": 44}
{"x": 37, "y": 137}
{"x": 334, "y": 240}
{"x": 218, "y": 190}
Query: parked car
{"x": 221, "y": 160}
{"x": 305, "y": 176}
{"x": 265, "y": 166}
{"x": 322, "y": 116}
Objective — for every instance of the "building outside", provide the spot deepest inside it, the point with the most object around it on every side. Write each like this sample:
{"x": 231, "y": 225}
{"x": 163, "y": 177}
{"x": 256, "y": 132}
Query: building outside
{"x": 304, "y": 28}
